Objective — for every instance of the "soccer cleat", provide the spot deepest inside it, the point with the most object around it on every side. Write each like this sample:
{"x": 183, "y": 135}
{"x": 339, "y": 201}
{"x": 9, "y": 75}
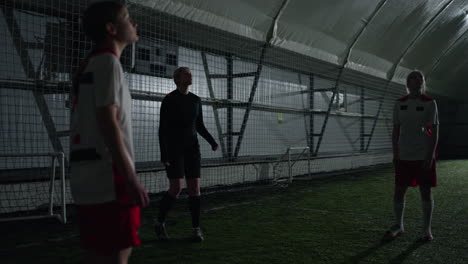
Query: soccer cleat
{"x": 426, "y": 238}
{"x": 394, "y": 231}
{"x": 197, "y": 234}
{"x": 161, "y": 233}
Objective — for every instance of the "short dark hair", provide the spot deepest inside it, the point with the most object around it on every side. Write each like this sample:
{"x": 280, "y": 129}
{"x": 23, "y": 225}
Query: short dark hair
{"x": 177, "y": 73}
{"x": 96, "y": 17}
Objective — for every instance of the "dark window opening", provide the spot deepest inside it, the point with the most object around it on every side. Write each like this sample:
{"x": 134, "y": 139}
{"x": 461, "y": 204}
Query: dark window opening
{"x": 171, "y": 59}
{"x": 143, "y": 54}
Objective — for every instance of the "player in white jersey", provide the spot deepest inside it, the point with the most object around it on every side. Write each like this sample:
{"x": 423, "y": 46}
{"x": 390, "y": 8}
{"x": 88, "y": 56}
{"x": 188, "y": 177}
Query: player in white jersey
{"x": 414, "y": 138}
{"x": 103, "y": 180}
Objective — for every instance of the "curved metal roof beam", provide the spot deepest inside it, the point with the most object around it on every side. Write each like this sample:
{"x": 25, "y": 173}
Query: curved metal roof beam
{"x": 273, "y": 28}
{"x": 356, "y": 38}
{"x": 418, "y": 36}
{"x": 269, "y": 38}
{"x": 447, "y": 51}
{"x": 395, "y": 66}
{"x": 358, "y": 35}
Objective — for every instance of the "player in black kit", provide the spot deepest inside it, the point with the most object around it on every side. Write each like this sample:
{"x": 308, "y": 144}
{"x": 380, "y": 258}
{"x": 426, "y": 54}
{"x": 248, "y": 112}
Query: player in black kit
{"x": 180, "y": 120}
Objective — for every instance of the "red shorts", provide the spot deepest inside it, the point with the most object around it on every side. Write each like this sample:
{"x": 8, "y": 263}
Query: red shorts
{"x": 109, "y": 227}
{"x": 113, "y": 226}
{"x": 410, "y": 173}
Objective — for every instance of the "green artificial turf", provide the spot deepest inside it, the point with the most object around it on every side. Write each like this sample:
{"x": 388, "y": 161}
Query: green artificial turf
{"x": 334, "y": 220}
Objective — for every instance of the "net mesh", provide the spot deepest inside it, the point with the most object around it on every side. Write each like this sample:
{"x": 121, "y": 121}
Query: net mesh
{"x": 257, "y": 100}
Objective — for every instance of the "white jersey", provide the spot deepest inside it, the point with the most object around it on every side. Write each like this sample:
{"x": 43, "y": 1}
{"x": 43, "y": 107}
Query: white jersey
{"x": 102, "y": 83}
{"x": 415, "y": 116}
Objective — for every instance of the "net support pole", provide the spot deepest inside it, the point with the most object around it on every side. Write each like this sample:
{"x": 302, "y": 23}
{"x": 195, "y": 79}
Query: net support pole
{"x": 62, "y": 175}
{"x": 51, "y": 186}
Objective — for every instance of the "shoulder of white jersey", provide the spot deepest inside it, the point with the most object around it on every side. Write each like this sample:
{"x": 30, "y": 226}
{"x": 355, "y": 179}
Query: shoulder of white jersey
{"x": 105, "y": 52}
{"x": 403, "y": 99}
{"x": 100, "y": 61}
{"x": 109, "y": 57}
{"x": 426, "y": 98}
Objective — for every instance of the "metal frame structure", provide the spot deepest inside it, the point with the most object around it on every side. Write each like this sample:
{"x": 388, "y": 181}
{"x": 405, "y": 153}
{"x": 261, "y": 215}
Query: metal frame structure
{"x": 41, "y": 87}
{"x": 20, "y": 45}
{"x": 291, "y": 163}
{"x": 398, "y": 62}
{"x": 230, "y": 147}
{"x": 270, "y": 35}
{"x": 62, "y": 217}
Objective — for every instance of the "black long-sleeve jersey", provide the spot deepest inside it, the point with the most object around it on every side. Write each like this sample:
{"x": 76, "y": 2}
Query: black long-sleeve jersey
{"x": 181, "y": 118}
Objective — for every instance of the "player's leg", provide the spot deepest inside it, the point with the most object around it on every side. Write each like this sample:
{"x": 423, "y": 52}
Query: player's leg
{"x": 427, "y": 208}
{"x": 192, "y": 175}
{"x": 403, "y": 179}
{"x": 175, "y": 174}
{"x": 194, "y": 203}
{"x": 165, "y": 205}
{"x": 398, "y": 210}
{"x": 169, "y": 198}
{"x": 124, "y": 255}
{"x": 118, "y": 257}
{"x": 93, "y": 257}
{"x": 399, "y": 205}
{"x": 427, "y": 179}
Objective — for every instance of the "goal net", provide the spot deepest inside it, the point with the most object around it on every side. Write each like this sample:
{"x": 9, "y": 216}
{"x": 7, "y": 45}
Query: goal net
{"x": 32, "y": 185}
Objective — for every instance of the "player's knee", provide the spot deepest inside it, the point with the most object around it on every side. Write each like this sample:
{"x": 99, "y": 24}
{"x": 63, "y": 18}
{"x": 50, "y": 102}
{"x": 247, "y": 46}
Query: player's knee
{"x": 426, "y": 197}
{"x": 399, "y": 194}
{"x": 399, "y": 197}
{"x": 426, "y": 194}
{"x": 174, "y": 191}
{"x": 193, "y": 189}
{"x": 192, "y": 192}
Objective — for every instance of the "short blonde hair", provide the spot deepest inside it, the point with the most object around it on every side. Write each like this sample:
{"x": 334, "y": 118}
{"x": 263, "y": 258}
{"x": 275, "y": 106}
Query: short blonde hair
{"x": 417, "y": 73}
{"x": 177, "y": 72}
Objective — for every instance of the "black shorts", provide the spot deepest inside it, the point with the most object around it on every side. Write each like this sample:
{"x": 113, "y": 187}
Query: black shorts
{"x": 185, "y": 164}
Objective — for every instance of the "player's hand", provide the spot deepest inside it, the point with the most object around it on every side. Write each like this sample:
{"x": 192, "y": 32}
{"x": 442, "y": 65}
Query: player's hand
{"x": 214, "y": 148}
{"x": 166, "y": 163}
{"x": 138, "y": 193}
{"x": 427, "y": 164}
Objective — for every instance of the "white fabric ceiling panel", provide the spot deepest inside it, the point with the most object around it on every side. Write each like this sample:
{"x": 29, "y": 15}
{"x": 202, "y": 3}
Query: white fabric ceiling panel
{"x": 250, "y": 19}
{"x": 322, "y": 29}
{"x": 391, "y": 33}
{"x": 384, "y": 39}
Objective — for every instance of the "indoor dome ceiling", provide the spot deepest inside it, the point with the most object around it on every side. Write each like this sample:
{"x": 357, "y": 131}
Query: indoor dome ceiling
{"x": 385, "y": 38}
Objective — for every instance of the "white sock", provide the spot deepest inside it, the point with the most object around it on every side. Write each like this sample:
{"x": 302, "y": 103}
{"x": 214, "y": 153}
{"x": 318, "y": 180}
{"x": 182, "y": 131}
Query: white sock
{"x": 156, "y": 222}
{"x": 427, "y": 208}
{"x": 399, "y": 210}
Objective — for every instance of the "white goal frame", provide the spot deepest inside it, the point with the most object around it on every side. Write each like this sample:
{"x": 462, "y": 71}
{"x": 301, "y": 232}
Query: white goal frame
{"x": 303, "y": 151}
{"x": 55, "y": 157}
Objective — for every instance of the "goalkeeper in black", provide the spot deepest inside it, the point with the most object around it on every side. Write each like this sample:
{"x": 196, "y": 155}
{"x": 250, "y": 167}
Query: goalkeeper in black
{"x": 180, "y": 120}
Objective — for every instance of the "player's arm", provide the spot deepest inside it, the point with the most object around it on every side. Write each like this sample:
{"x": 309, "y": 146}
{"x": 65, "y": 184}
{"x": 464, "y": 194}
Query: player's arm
{"x": 107, "y": 118}
{"x": 201, "y": 129}
{"x": 163, "y": 132}
{"x": 432, "y": 146}
{"x": 433, "y": 120}
{"x": 106, "y": 98}
{"x": 110, "y": 131}
{"x": 432, "y": 142}
{"x": 396, "y": 134}
{"x": 395, "y": 140}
